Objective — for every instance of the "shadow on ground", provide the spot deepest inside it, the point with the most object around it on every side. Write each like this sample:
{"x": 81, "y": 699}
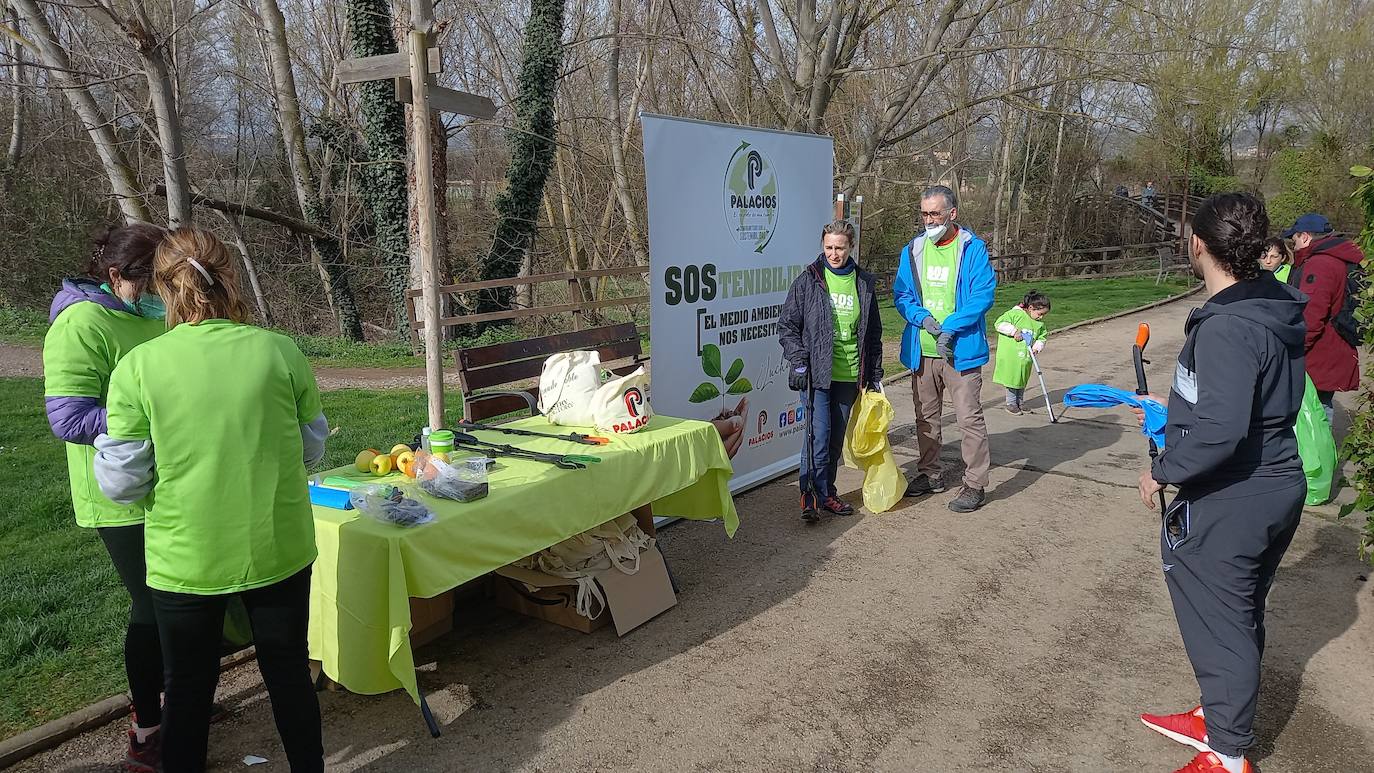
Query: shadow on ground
{"x": 502, "y": 681}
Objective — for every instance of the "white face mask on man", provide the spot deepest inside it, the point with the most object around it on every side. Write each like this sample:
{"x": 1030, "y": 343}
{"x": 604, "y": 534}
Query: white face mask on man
{"x": 936, "y": 232}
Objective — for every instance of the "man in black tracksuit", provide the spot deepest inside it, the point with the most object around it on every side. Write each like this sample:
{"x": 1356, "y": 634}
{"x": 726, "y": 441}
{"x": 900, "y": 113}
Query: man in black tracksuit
{"x": 1231, "y": 451}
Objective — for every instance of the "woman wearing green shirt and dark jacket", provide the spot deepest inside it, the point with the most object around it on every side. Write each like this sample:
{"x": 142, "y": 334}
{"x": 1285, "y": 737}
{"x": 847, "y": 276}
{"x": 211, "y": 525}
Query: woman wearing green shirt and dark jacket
{"x": 832, "y": 340}
{"x": 211, "y": 427}
{"x": 95, "y": 321}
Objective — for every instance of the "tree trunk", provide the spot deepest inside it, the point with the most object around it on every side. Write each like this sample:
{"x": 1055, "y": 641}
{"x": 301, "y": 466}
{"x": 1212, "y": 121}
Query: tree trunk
{"x": 1050, "y": 203}
{"x": 576, "y": 261}
{"x": 16, "y": 146}
{"x": 324, "y": 250}
{"x": 162, "y": 94}
{"x": 382, "y": 181}
{"x": 123, "y": 180}
{"x": 249, "y": 269}
{"x": 532, "y": 149}
{"x": 622, "y": 182}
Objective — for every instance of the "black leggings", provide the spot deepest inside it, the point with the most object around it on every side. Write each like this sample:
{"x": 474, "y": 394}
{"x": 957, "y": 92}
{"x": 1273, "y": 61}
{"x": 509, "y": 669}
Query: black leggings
{"x": 191, "y": 627}
{"x": 142, "y": 652}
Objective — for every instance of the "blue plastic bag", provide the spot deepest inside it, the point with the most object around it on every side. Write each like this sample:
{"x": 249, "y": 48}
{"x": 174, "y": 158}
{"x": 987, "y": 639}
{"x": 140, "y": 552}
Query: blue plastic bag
{"x": 1103, "y": 396}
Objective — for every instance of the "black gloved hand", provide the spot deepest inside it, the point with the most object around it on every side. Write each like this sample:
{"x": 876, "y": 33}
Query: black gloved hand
{"x": 944, "y": 345}
{"x": 798, "y": 379}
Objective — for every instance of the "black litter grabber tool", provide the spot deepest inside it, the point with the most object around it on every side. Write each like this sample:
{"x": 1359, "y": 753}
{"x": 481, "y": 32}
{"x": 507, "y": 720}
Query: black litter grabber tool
{"x": 565, "y": 461}
{"x": 810, "y": 495}
{"x": 572, "y": 437}
{"x": 1142, "y": 339}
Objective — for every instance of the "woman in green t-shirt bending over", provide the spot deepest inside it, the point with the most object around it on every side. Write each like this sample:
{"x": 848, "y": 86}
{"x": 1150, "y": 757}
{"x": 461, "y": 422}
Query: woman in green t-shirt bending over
{"x": 211, "y": 426}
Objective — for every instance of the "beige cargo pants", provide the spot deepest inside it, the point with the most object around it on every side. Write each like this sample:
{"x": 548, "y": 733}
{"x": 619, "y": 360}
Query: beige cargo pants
{"x": 929, "y": 384}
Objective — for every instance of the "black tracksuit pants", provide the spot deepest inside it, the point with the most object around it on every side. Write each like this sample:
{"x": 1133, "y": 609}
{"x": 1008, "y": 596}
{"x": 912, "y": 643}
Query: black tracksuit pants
{"x": 1220, "y": 555}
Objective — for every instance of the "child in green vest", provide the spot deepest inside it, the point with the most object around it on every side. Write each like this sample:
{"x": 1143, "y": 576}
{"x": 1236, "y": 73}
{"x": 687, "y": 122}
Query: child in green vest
{"x": 1013, "y": 360}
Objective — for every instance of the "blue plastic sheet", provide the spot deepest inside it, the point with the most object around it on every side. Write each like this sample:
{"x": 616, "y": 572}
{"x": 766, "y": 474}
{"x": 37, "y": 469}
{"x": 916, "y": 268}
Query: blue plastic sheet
{"x": 1103, "y": 396}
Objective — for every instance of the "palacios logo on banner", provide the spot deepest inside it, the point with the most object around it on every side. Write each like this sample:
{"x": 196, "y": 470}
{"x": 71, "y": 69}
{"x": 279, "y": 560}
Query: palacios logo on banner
{"x": 751, "y": 197}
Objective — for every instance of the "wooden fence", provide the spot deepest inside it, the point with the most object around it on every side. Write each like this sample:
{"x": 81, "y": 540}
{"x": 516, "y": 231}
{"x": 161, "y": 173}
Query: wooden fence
{"x": 571, "y": 297}
{"x": 1158, "y": 259}
{"x": 568, "y": 290}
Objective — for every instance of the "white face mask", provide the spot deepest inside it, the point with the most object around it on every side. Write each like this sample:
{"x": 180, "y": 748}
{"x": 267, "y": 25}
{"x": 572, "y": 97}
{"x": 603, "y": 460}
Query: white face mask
{"x": 936, "y": 232}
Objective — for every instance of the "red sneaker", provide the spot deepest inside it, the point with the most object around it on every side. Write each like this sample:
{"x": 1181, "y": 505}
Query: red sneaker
{"x": 1187, "y": 727}
{"x": 143, "y": 757}
{"x": 1209, "y": 762}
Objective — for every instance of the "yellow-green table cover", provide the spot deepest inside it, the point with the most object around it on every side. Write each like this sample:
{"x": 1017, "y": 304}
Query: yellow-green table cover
{"x": 367, "y": 571}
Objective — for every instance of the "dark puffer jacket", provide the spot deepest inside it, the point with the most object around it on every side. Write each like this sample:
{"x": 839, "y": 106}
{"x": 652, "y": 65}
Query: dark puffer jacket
{"x": 807, "y": 326}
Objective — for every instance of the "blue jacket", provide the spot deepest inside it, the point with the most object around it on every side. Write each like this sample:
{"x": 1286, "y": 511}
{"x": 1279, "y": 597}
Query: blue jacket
{"x": 973, "y": 297}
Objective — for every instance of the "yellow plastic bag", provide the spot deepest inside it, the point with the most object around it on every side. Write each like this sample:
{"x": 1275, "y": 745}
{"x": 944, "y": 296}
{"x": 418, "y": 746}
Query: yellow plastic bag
{"x": 866, "y": 448}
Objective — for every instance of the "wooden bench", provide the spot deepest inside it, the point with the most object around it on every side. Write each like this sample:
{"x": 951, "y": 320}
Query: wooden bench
{"x": 483, "y": 369}
{"x": 498, "y": 365}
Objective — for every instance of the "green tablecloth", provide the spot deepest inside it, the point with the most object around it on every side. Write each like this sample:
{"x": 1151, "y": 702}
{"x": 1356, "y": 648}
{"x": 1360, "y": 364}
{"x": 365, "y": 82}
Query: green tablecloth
{"x": 367, "y": 571}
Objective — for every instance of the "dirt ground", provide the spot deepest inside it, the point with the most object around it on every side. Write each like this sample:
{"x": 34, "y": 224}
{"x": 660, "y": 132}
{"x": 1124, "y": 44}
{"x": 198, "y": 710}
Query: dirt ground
{"x": 1024, "y": 637}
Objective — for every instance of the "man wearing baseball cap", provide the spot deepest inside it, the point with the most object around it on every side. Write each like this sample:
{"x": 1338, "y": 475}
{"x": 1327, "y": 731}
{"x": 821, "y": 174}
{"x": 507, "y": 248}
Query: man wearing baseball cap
{"x": 1320, "y": 264}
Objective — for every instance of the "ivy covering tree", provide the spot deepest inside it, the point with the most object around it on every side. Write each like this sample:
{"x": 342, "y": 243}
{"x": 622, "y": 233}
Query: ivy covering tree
{"x": 382, "y": 182}
{"x": 532, "y": 149}
{"x": 1359, "y": 443}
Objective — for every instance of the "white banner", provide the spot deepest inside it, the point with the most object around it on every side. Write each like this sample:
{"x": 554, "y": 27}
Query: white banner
{"x": 735, "y": 214}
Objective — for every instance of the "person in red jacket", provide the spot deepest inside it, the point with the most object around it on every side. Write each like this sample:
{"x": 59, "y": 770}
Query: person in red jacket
{"x": 1319, "y": 269}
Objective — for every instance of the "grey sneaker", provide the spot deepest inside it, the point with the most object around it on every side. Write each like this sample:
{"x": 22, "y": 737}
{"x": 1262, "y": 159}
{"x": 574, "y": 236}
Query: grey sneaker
{"x": 922, "y": 485}
{"x": 969, "y": 499}
{"x": 1013, "y": 408}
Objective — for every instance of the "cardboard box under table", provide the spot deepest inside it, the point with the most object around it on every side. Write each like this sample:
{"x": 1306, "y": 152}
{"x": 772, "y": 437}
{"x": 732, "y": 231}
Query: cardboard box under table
{"x": 628, "y": 600}
{"x": 367, "y": 571}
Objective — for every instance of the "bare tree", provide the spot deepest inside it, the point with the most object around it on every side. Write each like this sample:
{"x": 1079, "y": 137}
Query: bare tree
{"x": 139, "y": 29}
{"x": 123, "y": 179}
{"x": 325, "y": 249}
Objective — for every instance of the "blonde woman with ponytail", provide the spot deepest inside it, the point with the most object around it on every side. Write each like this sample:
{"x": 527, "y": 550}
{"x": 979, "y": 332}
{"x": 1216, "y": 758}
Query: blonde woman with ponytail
{"x": 211, "y": 426}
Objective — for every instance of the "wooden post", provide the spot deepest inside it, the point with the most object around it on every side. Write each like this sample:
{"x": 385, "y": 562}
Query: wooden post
{"x": 424, "y": 190}
{"x": 839, "y": 206}
{"x": 858, "y": 212}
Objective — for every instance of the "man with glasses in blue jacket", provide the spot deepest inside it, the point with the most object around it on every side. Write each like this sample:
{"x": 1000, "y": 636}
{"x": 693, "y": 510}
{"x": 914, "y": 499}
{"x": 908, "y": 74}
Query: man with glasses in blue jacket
{"x": 944, "y": 290}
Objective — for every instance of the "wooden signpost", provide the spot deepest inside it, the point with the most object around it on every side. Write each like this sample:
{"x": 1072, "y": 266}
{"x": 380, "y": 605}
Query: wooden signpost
{"x": 412, "y": 70}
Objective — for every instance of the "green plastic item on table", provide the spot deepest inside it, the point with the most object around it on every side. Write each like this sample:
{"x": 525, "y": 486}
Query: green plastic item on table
{"x": 367, "y": 571}
{"x": 1316, "y": 446}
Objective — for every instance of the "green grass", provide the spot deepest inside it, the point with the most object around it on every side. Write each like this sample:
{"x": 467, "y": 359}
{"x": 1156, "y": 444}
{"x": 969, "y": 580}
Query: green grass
{"x": 22, "y": 326}
{"x": 335, "y": 352}
{"x": 62, "y": 608}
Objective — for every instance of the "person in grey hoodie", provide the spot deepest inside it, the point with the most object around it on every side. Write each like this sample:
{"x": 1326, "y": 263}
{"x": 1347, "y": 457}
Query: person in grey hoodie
{"x": 832, "y": 340}
{"x": 1231, "y": 452}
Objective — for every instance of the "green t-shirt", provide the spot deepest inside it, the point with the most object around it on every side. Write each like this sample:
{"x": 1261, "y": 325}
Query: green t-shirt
{"x": 223, "y": 404}
{"x": 1013, "y": 361}
{"x": 844, "y": 303}
{"x": 941, "y": 268}
{"x": 1281, "y": 273}
{"x": 80, "y": 352}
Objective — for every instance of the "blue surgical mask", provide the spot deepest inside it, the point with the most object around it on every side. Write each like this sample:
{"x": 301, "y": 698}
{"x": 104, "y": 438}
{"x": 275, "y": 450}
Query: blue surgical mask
{"x": 150, "y": 306}
{"x": 147, "y": 305}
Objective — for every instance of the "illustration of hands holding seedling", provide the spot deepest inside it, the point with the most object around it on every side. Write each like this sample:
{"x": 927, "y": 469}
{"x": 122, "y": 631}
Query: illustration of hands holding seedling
{"x": 729, "y": 422}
